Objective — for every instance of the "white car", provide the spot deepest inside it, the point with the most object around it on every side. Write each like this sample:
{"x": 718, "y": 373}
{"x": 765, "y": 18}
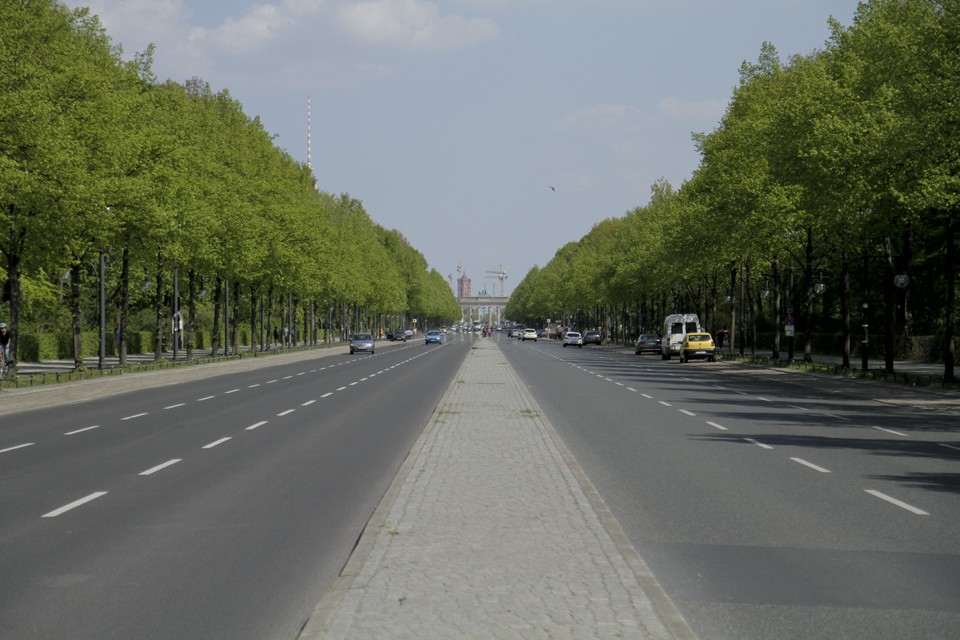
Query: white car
{"x": 573, "y": 338}
{"x": 529, "y": 334}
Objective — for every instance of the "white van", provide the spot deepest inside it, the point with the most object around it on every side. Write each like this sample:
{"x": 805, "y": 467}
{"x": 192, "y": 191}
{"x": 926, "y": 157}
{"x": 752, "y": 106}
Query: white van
{"x": 675, "y": 327}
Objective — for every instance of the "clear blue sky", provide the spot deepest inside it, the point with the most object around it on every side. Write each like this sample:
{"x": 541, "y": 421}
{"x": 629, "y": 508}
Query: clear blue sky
{"x": 450, "y": 119}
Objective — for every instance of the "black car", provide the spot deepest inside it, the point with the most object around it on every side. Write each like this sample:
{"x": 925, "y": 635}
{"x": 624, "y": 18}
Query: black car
{"x": 592, "y": 337}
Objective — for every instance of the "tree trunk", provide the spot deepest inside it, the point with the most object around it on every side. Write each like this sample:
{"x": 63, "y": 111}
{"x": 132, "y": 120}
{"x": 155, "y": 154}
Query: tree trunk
{"x": 124, "y": 302}
{"x": 217, "y": 306}
{"x": 776, "y": 309}
{"x": 158, "y": 311}
{"x": 950, "y": 280}
{"x": 845, "y": 307}
{"x": 888, "y": 305}
{"x": 808, "y": 283}
{"x": 192, "y": 312}
{"x": 76, "y": 316}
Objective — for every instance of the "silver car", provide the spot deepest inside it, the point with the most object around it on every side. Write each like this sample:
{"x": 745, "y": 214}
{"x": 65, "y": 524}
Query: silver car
{"x": 361, "y": 342}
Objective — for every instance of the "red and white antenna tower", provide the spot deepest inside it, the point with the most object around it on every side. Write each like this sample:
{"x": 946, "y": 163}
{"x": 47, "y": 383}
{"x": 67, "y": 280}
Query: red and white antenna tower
{"x": 309, "y": 164}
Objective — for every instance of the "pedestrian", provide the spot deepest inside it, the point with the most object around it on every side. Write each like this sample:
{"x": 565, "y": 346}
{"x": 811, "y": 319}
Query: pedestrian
{"x": 721, "y": 337}
{"x": 276, "y": 335}
{"x": 5, "y": 341}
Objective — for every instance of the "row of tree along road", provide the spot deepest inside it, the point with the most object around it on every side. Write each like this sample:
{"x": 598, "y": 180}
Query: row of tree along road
{"x": 829, "y": 195}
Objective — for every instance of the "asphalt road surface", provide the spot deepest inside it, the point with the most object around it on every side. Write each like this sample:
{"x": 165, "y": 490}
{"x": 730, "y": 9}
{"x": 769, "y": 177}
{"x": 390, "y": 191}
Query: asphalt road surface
{"x": 222, "y": 508}
{"x": 769, "y": 505}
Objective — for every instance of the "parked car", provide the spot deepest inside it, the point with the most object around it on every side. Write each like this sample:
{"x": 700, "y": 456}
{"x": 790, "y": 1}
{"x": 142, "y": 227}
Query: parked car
{"x": 529, "y": 334}
{"x": 573, "y": 338}
{"x": 698, "y": 345}
{"x": 433, "y": 336}
{"x": 647, "y": 343}
{"x": 361, "y": 342}
{"x": 592, "y": 337}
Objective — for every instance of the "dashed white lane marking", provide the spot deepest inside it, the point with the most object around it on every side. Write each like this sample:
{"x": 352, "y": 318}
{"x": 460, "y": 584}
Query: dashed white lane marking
{"x": 647, "y": 396}
{"x": 899, "y": 503}
{"x": 168, "y": 463}
{"x": 896, "y": 433}
{"x": 327, "y": 394}
{"x": 285, "y": 413}
{"x": 258, "y": 424}
{"x": 251, "y": 386}
{"x": 19, "y": 446}
{"x": 717, "y": 426}
{"x": 687, "y": 412}
{"x": 302, "y": 373}
{"x": 308, "y": 403}
{"x": 340, "y": 388}
{"x": 203, "y": 399}
{"x": 631, "y": 389}
{"x": 215, "y": 443}
{"x": 74, "y": 505}
{"x": 356, "y": 382}
{"x": 71, "y": 433}
{"x": 811, "y": 465}
{"x": 174, "y": 406}
{"x": 231, "y": 391}
{"x": 666, "y": 404}
{"x": 272, "y": 381}
{"x": 759, "y": 444}
{"x": 764, "y": 399}
{"x": 287, "y": 377}
{"x": 136, "y": 415}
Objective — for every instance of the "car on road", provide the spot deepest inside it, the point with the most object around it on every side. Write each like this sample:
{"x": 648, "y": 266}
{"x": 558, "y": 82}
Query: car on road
{"x": 361, "y": 342}
{"x": 573, "y": 338}
{"x": 647, "y": 343}
{"x": 433, "y": 336}
{"x": 698, "y": 345}
{"x": 529, "y": 334}
{"x": 592, "y": 337}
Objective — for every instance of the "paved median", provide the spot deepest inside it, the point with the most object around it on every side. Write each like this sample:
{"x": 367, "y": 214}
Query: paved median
{"x": 490, "y": 530}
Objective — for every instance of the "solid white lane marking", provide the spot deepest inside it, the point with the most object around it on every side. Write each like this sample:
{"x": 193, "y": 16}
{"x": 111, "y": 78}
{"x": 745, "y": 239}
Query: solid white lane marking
{"x": 759, "y": 444}
{"x": 70, "y": 433}
{"x": 811, "y": 465}
{"x": 896, "y": 433}
{"x": 285, "y": 413}
{"x": 136, "y": 415}
{"x": 206, "y": 398}
{"x": 231, "y": 391}
{"x": 327, "y": 394}
{"x": 174, "y": 406}
{"x": 166, "y": 464}
{"x": 258, "y": 424}
{"x": 899, "y": 503}
{"x": 215, "y": 443}
{"x": 666, "y": 404}
{"x": 687, "y": 412}
{"x": 74, "y": 505}
{"x": 308, "y": 403}
{"x": 714, "y": 424}
{"x": 19, "y": 446}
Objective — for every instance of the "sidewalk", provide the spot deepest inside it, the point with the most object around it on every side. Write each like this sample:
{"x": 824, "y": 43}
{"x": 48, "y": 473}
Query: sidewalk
{"x": 490, "y": 530}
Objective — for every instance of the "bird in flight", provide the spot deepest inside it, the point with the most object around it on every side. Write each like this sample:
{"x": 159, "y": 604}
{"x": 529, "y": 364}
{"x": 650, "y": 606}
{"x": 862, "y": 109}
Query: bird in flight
{"x": 551, "y": 188}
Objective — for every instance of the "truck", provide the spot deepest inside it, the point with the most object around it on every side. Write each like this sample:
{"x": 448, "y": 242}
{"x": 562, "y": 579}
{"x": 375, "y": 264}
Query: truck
{"x": 675, "y": 328}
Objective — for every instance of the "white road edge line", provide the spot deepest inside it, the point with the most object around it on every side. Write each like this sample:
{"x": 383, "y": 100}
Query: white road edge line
{"x": 215, "y": 443}
{"x": 894, "y": 501}
{"x": 168, "y": 463}
{"x": 74, "y": 505}
{"x": 811, "y": 465}
{"x": 19, "y": 446}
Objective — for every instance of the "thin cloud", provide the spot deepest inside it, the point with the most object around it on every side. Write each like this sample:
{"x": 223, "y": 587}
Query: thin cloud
{"x": 414, "y": 24}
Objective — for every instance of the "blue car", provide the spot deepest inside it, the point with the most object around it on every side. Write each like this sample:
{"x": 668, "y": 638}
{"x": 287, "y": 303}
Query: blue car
{"x": 434, "y": 336}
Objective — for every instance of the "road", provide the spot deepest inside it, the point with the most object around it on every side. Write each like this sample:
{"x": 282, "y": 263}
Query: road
{"x": 223, "y": 508}
{"x": 768, "y": 505}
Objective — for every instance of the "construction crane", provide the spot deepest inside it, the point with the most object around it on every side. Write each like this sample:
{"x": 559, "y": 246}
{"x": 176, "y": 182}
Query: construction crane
{"x": 501, "y": 276}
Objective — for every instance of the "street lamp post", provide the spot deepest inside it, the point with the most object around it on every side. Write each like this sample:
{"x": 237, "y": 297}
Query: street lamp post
{"x": 102, "y": 295}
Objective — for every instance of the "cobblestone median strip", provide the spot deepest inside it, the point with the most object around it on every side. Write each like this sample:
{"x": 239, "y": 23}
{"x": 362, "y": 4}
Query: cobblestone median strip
{"x": 491, "y": 531}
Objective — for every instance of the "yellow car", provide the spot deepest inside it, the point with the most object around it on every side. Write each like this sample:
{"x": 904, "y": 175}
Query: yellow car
{"x": 698, "y": 345}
